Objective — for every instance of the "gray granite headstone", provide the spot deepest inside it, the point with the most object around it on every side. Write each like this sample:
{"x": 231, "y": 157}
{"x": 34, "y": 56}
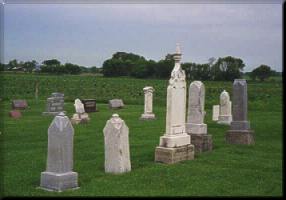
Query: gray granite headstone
{"x": 116, "y": 143}
{"x": 59, "y": 173}
{"x": 239, "y": 103}
{"x": 55, "y": 104}
{"x": 240, "y": 132}
{"x": 116, "y": 103}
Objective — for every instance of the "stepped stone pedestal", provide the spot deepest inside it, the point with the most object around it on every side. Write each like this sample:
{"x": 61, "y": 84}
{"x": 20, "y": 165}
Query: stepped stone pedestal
{"x": 175, "y": 145}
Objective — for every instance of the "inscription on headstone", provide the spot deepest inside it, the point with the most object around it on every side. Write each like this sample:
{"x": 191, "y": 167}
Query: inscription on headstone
{"x": 55, "y": 104}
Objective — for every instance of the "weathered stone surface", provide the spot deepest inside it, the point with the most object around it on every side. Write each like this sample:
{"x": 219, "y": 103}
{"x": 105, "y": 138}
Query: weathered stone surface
{"x": 116, "y": 103}
{"x": 19, "y": 104}
{"x": 89, "y": 105}
{"x": 80, "y": 118}
{"x": 174, "y": 155}
{"x": 79, "y": 108}
{"x": 16, "y": 114}
{"x": 215, "y": 112}
{"x": 116, "y": 143}
{"x": 240, "y": 132}
{"x": 148, "y": 103}
{"x": 59, "y": 175}
{"x": 202, "y": 142}
{"x": 240, "y": 137}
{"x": 175, "y": 143}
{"x": 195, "y": 125}
{"x": 196, "y": 113}
{"x": 225, "y": 116}
{"x": 175, "y": 134}
{"x": 55, "y": 104}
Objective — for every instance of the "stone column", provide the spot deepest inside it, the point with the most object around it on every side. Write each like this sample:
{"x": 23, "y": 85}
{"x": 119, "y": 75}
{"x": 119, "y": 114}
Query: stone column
{"x": 116, "y": 143}
{"x": 240, "y": 132}
{"x": 148, "y": 104}
{"x": 175, "y": 143}
{"x": 195, "y": 125}
{"x": 59, "y": 175}
{"x": 225, "y": 116}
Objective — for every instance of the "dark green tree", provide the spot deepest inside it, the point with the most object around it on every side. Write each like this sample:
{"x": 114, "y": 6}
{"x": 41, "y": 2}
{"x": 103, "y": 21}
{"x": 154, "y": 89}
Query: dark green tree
{"x": 227, "y": 69}
{"x": 29, "y": 66}
{"x": 70, "y": 68}
{"x": 262, "y": 72}
{"x": 51, "y": 62}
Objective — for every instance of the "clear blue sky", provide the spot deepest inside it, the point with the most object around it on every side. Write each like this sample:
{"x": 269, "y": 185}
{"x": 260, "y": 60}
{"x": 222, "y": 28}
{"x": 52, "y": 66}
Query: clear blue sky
{"x": 88, "y": 34}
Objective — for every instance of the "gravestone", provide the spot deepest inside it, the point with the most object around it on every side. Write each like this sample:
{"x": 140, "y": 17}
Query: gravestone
{"x": 215, "y": 112}
{"x": 148, "y": 104}
{"x": 195, "y": 125}
{"x": 59, "y": 175}
{"x": 19, "y": 104}
{"x": 55, "y": 104}
{"x": 89, "y": 105}
{"x": 116, "y": 103}
{"x": 116, "y": 143}
{"x": 175, "y": 145}
{"x": 240, "y": 132}
{"x": 16, "y": 114}
{"x": 80, "y": 116}
{"x": 225, "y": 116}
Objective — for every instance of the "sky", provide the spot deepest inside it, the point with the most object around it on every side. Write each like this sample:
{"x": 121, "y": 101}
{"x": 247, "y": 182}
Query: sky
{"x": 88, "y": 34}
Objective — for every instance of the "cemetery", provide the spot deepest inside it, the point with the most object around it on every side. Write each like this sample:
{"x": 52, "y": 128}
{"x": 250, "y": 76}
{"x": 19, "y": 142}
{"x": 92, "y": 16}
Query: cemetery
{"x": 174, "y": 137}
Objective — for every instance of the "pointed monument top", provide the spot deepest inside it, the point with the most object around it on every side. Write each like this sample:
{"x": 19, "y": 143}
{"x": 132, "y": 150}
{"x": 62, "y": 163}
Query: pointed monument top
{"x": 178, "y": 49}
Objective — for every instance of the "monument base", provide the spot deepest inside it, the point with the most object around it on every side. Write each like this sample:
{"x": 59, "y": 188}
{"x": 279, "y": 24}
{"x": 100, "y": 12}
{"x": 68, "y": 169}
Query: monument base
{"x": 52, "y": 113}
{"x": 174, "y": 155}
{"x": 224, "y": 119}
{"x": 196, "y": 128}
{"x": 175, "y": 140}
{"x": 80, "y": 119}
{"x": 147, "y": 116}
{"x": 202, "y": 142}
{"x": 59, "y": 181}
{"x": 240, "y": 137}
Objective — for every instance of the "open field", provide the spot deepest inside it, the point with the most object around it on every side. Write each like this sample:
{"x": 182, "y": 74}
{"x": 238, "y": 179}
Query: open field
{"x": 229, "y": 170}
{"x": 23, "y": 86}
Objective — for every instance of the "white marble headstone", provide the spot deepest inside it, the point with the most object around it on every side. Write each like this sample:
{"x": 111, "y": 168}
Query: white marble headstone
{"x": 79, "y": 107}
{"x": 225, "y": 116}
{"x": 196, "y": 112}
{"x": 116, "y": 143}
{"x": 175, "y": 134}
{"x": 59, "y": 175}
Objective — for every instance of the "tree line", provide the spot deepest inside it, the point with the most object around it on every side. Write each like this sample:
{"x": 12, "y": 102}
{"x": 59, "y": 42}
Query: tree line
{"x": 128, "y": 64}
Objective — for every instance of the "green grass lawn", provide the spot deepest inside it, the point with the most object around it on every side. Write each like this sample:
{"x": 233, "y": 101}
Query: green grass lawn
{"x": 229, "y": 170}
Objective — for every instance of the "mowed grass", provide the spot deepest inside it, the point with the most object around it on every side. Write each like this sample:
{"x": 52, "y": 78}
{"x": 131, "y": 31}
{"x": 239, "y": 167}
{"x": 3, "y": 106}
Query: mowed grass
{"x": 229, "y": 170}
